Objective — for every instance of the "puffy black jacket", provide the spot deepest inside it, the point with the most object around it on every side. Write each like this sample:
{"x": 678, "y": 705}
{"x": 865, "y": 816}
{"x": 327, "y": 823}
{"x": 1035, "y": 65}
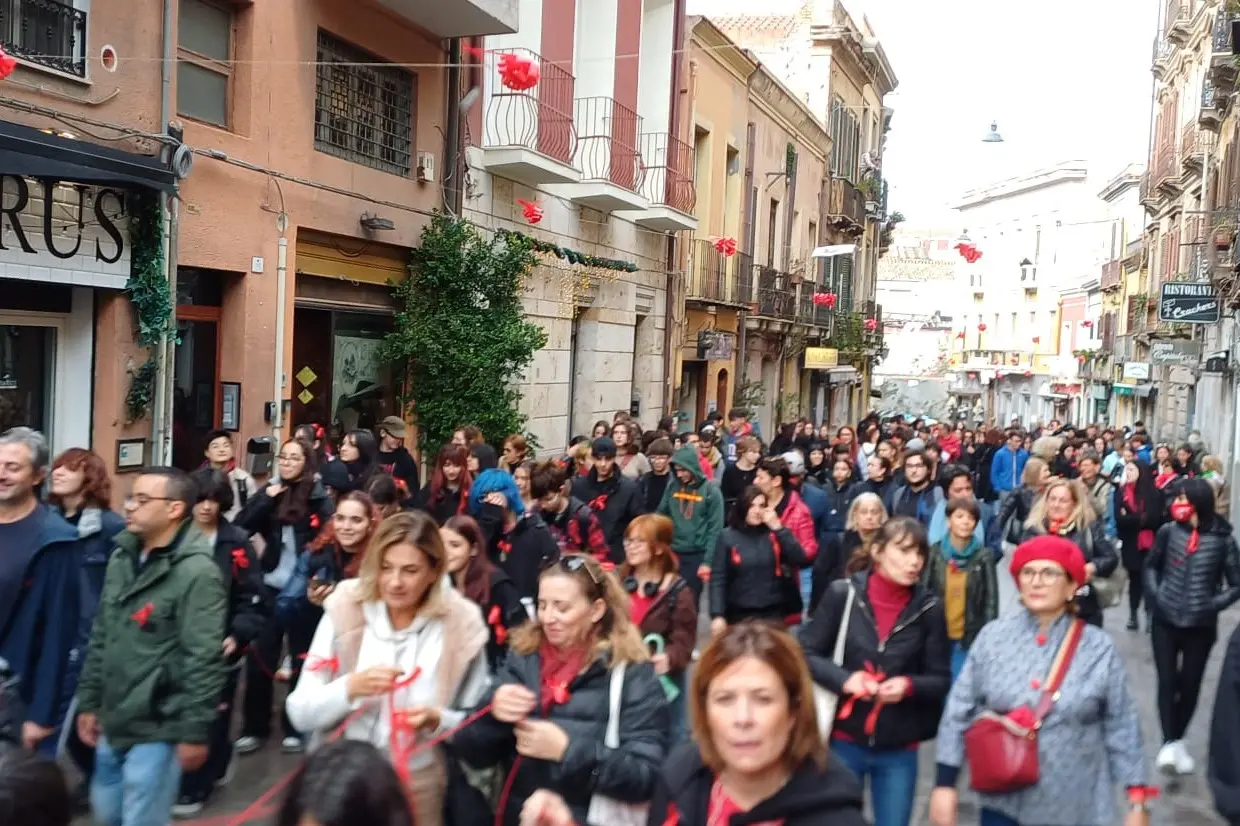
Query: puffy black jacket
{"x": 831, "y": 564}
{"x": 917, "y": 648}
{"x": 811, "y": 797}
{"x": 746, "y": 580}
{"x": 1096, "y": 549}
{"x": 626, "y": 774}
{"x": 248, "y": 608}
{"x": 259, "y": 516}
{"x": 1185, "y": 589}
{"x": 617, "y": 501}
{"x": 523, "y": 552}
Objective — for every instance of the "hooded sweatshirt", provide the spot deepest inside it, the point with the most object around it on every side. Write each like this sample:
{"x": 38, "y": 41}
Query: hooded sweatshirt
{"x": 696, "y": 509}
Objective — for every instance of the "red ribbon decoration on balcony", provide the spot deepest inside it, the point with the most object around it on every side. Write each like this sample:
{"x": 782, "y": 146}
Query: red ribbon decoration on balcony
{"x": 969, "y": 252}
{"x": 1080, "y": 359}
{"x": 981, "y": 328}
{"x": 1036, "y": 339}
{"x": 824, "y": 299}
{"x": 1087, "y": 323}
{"x": 871, "y": 325}
{"x": 960, "y": 335}
{"x": 517, "y": 72}
{"x": 7, "y": 64}
{"x": 1028, "y": 374}
{"x": 533, "y": 212}
{"x": 726, "y": 246}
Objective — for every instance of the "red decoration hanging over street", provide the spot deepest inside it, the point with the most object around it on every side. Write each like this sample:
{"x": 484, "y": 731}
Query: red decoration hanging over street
{"x": 871, "y": 325}
{"x": 1087, "y": 323}
{"x": 969, "y": 252}
{"x": 726, "y": 246}
{"x": 825, "y": 299}
{"x": 981, "y": 328}
{"x": 960, "y": 335}
{"x": 517, "y": 72}
{"x": 7, "y": 64}
{"x": 1037, "y": 339}
{"x": 533, "y": 211}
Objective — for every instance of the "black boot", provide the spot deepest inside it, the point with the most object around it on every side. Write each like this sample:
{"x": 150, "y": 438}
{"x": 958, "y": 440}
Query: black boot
{"x": 1133, "y": 625}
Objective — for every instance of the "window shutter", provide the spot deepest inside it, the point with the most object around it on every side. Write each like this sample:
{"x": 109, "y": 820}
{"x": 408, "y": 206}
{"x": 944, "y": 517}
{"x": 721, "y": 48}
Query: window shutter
{"x": 846, "y": 282}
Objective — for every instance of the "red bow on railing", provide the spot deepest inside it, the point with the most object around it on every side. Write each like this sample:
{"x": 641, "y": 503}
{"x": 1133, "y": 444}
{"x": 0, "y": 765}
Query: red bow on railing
{"x": 969, "y": 252}
{"x": 824, "y": 299}
{"x": 518, "y": 72}
{"x": 871, "y": 324}
{"x": 727, "y": 246}
{"x": 143, "y": 615}
{"x": 531, "y": 209}
{"x": 7, "y": 64}
{"x": 239, "y": 561}
{"x": 871, "y": 720}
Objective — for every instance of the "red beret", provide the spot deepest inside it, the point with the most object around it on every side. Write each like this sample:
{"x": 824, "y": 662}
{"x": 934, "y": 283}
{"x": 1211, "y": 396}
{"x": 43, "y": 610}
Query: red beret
{"x": 1062, "y": 552}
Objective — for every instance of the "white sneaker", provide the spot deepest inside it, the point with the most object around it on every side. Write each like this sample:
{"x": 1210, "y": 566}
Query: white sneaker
{"x": 292, "y": 745}
{"x": 1184, "y": 763}
{"x": 1166, "y": 760}
{"x": 247, "y": 745}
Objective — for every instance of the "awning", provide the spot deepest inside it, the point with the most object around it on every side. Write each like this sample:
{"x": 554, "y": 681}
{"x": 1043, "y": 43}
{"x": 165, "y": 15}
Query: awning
{"x": 34, "y": 153}
{"x": 842, "y": 375}
{"x": 1144, "y": 391}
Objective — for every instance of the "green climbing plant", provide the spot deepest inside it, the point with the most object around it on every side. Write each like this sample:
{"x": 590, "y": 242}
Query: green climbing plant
{"x": 848, "y": 336}
{"x": 749, "y": 394}
{"x": 460, "y": 339}
{"x": 147, "y": 289}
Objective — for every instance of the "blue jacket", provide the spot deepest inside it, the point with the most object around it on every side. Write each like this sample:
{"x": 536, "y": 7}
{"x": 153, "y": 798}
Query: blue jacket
{"x": 40, "y": 612}
{"x": 1006, "y": 468}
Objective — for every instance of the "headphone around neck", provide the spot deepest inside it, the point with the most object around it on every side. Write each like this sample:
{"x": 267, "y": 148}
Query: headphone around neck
{"x": 649, "y": 590}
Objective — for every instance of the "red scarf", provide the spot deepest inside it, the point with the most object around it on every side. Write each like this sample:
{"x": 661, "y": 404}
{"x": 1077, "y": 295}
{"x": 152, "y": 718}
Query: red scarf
{"x": 557, "y": 669}
{"x": 1145, "y": 538}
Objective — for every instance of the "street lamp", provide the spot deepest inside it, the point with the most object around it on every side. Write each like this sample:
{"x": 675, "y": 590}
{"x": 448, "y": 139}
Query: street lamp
{"x": 993, "y": 135}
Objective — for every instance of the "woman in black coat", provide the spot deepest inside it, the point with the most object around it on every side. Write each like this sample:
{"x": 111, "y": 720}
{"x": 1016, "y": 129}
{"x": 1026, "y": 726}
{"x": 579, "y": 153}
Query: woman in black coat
{"x": 1139, "y": 510}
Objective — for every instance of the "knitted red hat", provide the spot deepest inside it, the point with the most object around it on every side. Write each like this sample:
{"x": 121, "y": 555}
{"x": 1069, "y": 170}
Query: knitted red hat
{"x": 1062, "y": 552}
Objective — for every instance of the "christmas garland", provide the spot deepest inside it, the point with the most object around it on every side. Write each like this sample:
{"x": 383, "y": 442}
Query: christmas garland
{"x": 569, "y": 255}
{"x": 148, "y": 293}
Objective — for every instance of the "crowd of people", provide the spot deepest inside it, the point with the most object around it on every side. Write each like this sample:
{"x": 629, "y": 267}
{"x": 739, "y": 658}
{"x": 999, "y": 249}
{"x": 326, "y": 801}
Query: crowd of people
{"x": 518, "y": 641}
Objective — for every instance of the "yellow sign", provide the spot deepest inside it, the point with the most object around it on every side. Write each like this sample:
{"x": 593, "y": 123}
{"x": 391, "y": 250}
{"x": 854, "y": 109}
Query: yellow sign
{"x": 305, "y": 396}
{"x": 821, "y": 358}
{"x": 306, "y": 376}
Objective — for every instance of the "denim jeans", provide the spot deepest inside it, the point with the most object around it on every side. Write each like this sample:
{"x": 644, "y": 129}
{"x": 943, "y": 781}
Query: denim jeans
{"x": 959, "y": 655}
{"x": 892, "y": 775}
{"x": 807, "y": 588}
{"x": 136, "y": 787}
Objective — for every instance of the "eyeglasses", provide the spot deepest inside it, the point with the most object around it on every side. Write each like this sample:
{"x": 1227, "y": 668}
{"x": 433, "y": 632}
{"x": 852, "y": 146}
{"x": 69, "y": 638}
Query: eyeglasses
{"x": 1034, "y": 576}
{"x": 142, "y": 500}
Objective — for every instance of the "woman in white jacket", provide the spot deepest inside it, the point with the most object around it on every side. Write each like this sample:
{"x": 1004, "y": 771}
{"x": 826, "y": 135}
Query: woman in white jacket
{"x": 396, "y": 644}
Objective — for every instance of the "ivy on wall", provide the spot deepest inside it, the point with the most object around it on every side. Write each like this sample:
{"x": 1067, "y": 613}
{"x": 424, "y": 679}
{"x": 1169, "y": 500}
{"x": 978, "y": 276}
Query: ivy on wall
{"x": 148, "y": 293}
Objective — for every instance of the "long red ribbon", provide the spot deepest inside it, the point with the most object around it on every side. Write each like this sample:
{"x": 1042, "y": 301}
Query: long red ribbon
{"x": 871, "y": 720}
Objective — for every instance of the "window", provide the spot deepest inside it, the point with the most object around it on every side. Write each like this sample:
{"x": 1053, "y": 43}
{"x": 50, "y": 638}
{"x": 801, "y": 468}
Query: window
{"x": 204, "y": 61}
{"x": 363, "y": 113}
{"x": 46, "y": 32}
{"x": 846, "y": 141}
{"x": 771, "y": 223}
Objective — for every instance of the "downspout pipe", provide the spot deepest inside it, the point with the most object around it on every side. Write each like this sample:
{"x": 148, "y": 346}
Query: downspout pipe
{"x": 673, "y": 256}
{"x": 165, "y": 357}
{"x": 453, "y": 191}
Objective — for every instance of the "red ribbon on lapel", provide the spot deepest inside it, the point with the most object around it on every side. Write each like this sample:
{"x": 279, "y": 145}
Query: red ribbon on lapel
{"x": 143, "y": 615}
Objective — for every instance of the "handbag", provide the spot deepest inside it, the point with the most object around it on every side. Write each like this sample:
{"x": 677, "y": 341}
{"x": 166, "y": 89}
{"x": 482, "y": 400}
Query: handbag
{"x": 827, "y": 702}
{"x": 1003, "y": 752}
{"x": 604, "y": 810}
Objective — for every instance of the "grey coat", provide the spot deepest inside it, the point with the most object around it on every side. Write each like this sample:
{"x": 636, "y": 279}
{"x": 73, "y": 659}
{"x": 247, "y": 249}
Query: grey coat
{"x": 1089, "y": 746}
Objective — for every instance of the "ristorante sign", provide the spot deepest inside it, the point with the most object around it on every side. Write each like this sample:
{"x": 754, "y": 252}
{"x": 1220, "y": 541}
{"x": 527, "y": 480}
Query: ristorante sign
{"x": 1189, "y": 302}
{"x": 63, "y": 232}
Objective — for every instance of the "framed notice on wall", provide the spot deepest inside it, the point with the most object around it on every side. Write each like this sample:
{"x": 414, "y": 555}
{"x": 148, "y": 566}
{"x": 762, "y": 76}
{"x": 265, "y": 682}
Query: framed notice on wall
{"x": 230, "y": 406}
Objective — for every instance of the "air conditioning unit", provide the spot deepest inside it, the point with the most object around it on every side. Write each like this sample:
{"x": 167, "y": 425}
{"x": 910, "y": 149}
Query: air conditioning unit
{"x": 426, "y": 167}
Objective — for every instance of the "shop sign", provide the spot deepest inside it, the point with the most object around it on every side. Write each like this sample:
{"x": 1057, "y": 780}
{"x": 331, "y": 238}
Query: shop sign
{"x": 720, "y": 347}
{"x": 1178, "y": 353}
{"x": 821, "y": 358}
{"x": 1189, "y": 302}
{"x": 1139, "y": 370}
{"x": 64, "y": 232}
{"x": 1066, "y": 389}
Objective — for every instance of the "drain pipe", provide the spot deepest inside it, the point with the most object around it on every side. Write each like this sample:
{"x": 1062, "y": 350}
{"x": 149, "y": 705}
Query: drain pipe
{"x": 165, "y": 356}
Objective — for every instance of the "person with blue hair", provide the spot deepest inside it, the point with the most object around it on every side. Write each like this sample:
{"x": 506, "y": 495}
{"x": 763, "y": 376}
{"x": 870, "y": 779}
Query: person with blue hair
{"x": 518, "y": 541}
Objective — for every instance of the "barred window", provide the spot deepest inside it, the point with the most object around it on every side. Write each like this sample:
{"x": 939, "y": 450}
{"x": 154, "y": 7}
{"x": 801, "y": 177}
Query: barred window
{"x": 363, "y": 111}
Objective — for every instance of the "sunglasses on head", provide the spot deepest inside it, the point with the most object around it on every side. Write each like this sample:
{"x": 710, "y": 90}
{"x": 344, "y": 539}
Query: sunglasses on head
{"x": 572, "y": 563}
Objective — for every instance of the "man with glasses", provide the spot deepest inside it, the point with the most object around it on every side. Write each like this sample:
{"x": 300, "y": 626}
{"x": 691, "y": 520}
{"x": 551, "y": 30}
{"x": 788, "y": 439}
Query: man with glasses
{"x": 153, "y": 674}
{"x": 40, "y": 568}
{"x": 916, "y": 496}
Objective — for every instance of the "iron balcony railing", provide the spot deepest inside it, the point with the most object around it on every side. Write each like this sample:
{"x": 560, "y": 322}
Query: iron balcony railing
{"x": 846, "y": 201}
{"x": 805, "y": 303}
{"x": 718, "y": 278}
{"x": 775, "y": 295}
{"x": 45, "y": 32}
{"x": 669, "y": 171}
{"x": 744, "y": 278}
{"x": 1111, "y": 274}
{"x": 824, "y": 316}
{"x": 607, "y": 142}
{"x": 1220, "y": 36}
{"x": 541, "y": 118}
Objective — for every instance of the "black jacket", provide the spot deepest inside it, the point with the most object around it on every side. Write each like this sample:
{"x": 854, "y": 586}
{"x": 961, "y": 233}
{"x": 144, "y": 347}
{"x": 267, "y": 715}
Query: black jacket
{"x": 733, "y": 483}
{"x": 1223, "y": 770}
{"x": 979, "y": 463}
{"x": 617, "y": 503}
{"x": 521, "y": 553}
{"x": 247, "y": 598}
{"x": 650, "y": 489}
{"x": 831, "y": 562}
{"x": 1096, "y": 549}
{"x": 1190, "y": 590}
{"x": 626, "y": 774}
{"x": 811, "y": 797}
{"x": 259, "y": 517}
{"x": 1129, "y": 524}
{"x": 981, "y": 590}
{"x": 917, "y": 648}
{"x": 746, "y": 580}
{"x": 839, "y": 497}
{"x": 1009, "y": 525}
{"x": 448, "y": 504}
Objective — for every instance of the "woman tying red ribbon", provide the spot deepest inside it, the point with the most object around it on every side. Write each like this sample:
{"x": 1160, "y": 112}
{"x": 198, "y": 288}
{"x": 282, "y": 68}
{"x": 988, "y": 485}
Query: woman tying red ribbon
{"x": 566, "y": 674}
{"x": 895, "y": 670}
{"x": 396, "y": 655}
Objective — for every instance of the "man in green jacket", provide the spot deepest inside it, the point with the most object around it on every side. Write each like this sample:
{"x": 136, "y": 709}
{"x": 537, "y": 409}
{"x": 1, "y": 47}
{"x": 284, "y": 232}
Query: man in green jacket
{"x": 154, "y": 670}
{"x": 695, "y": 506}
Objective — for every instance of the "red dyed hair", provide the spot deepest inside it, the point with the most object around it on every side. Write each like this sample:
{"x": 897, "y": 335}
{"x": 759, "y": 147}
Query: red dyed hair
{"x": 327, "y": 534}
{"x": 96, "y": 483}
{"x": 457, "y": 455}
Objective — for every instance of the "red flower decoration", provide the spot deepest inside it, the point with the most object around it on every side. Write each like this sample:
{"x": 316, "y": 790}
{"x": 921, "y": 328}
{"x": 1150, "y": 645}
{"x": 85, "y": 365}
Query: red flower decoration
{"x": 960, "y": 335}
{"x": 981, "y": 328}
{"x": 517, "y": 72}
{"x": 1036, "y": 339}
{"x": 314, "y": 521}
{"x": 727, "y": 246}
{"x": 532, "y": 211}
{"x": 1087, "y": 323}
{"x": 1022, "y": 717}
{"x": 969, "y": 252}
{"x": 7, "y": 64}
{"x": 559, "y": 694}
{"x": 871, "y": 324}
{"x": 825, "y": 299}
{"x": 143, "y": 615}
{"x": 239, "y": 560}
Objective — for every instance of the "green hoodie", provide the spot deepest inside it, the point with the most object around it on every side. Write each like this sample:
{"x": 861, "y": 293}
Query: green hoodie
{"x": 154, "y": 670}
{"x": 696, "y": 509}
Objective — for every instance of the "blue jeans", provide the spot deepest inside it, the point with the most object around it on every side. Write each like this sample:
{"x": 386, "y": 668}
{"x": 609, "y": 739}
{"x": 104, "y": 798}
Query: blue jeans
{"x": 893, "y": 779}
{"x": 136, "y": 787}
{"x": 807, "y": 588}
{"x": 959, "y": 655}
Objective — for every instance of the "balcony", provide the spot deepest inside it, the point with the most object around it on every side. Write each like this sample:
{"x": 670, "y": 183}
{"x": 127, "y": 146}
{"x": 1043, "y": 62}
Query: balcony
{"x": 1166, "y": 170}
{"x": 1222, "y": 68}
{"x": 46, "y": 33}
{"x": 1179, "y": 13}
{"x": 776, "y": 296}
{"x": 612, "y": 172}
{"x": 668, "y": 185}
{"x": 1162, "y": 57}
{"x": 1193, "y": 144}
{"x": 1212, "y": 104}
{"x": 1112, "y": 275}
{"x": 458, "y": 18}
{"x": 529, "y": 136}
{"x": 1146, "y": 193}
{"x": 715, "y": 278}
{"x": 846, "y": 207}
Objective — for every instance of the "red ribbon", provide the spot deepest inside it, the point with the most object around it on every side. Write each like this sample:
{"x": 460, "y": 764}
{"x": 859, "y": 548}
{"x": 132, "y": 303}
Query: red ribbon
{"x": 518, "y": 72}
{"x": 314, "y": 521}
{"x": 314, "y": 663}
{"x": 673, "y": 815}
{"x": 736, "y": 557}
{"x": 143, "y": 615}
{"x": 871, "y": 720}
{"x": 726, "y": 246}
{"x": 497, "y": 625}
{"x": 598, "y": 503}
{"x": 505, "y": 548}
{"x": 239, "y": 561}
{"x": 532, "y": 211}
{"x": 825, "y": 299}
{"x": 7, "y": 64}
{"x": 1194, "y": 542}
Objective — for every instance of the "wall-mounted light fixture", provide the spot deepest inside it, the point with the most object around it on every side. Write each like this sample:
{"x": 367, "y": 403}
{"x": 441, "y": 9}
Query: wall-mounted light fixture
{"x": 373, "y": 223}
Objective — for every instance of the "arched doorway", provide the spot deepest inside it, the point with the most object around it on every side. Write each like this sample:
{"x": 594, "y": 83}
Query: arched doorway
{"x": 722, "y": 399}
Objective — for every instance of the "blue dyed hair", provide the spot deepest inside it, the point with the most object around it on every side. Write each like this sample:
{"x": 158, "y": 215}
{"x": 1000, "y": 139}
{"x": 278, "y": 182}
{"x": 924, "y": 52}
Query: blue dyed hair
{"x": 495, "y": 481}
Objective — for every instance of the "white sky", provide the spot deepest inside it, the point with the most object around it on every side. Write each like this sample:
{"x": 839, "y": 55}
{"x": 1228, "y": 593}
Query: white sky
{"x": 1065, "y": 79}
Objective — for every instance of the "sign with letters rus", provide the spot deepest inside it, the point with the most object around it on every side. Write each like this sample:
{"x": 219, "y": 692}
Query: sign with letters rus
{"x": 1189, "y": 302}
